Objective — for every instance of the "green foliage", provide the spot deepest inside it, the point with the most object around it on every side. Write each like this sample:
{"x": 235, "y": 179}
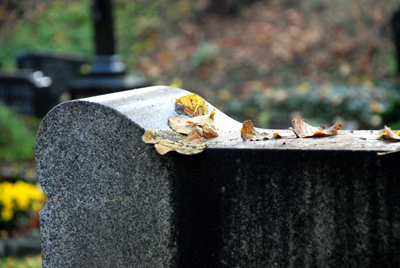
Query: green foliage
{"x": 205, "y": 53}
{"x": 64, "y": 26}
{"x": 139, "y": 23}
{"x": 391, "y": 116}
{"x": 318, "y": 103}
{"x": 67, "y": 26}
{"x": 17, "y": 137}
{"x": 27, "y": 262}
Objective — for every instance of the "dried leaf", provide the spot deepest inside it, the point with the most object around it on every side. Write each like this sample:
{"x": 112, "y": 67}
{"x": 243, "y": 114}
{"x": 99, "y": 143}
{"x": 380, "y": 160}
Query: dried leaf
{"x": 194, "y": 136}
{"x": 166, "y": 141}
{"x": 181, "y": 125}
{"x": 193, "y": 105}
{"x": 287, "y": 136}
{"x": 388, "y": 134}
{"x": 162, "y": 149}
{"x": 304, "y": 130}
{"x": 206, "y": 122}
{"x": 248, "y": 132}
{"x": 390, "y": 152}
{"x": 209, "y": 132}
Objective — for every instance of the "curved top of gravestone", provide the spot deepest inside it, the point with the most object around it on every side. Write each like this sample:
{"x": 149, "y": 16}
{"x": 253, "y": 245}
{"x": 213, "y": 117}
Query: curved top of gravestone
{"x": 85, "y": 144}
{"x": 99, "y": 135}
{"x": 151, "y": 107}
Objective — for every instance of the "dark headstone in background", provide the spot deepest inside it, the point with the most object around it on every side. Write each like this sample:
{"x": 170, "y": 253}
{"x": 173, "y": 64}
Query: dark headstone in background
{"x": 60, "y": 68}
{"x": 107, "y": 75}
{"x": 26, "y": 91}
{"x": 328, "y": 202}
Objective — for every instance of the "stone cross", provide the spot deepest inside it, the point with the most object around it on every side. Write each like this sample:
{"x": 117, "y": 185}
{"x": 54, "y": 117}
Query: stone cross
{"x": 322, "y": 202}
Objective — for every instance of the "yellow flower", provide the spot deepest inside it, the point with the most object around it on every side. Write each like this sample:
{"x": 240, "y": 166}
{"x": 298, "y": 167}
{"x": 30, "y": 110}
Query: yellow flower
{"x": 7, "y": 214}
{"x": 18, "y": 196}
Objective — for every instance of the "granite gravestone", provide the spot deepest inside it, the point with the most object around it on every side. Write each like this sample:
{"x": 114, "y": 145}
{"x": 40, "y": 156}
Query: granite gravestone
{"x": 327, "y": 202}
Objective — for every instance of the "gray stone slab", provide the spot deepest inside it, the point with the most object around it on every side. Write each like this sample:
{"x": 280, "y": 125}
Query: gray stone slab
{"x": 326, "y": 202}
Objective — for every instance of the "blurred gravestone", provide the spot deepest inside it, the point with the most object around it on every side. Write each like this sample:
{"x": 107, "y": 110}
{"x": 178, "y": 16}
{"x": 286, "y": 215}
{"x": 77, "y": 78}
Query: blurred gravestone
{"x": 107, "y": 75}
{"x": 108, "y": 72}
{"x": 60, "y": 68}
{"x": 26, "y": 91}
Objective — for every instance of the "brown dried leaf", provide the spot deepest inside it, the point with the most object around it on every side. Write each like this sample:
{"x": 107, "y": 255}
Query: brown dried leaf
{"x": 206, "y": 122}
{"x": 193, "y": 105}
{"x": 388, "y": 134}
{"x": 332, "y": 131}
{"x": 181, "y": 125}
{"x": 248, "y": 132}
{"x": 194, "y": 136}
{"x": 209, "y": 132}
{"x": 304, "y": 130}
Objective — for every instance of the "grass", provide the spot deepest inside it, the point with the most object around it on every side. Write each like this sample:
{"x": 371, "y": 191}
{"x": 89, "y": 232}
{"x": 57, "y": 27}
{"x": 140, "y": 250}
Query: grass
{"x": 27, "y": 262}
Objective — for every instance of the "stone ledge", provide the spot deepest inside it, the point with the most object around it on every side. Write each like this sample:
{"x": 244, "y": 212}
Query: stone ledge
{"x": 151, "y": 107}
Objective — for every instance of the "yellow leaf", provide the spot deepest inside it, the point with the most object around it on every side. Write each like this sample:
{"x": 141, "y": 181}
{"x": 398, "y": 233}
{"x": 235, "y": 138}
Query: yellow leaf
{"x": 388, "y": 134}
{"x": 193, "y": 105}
{"x": 167, "y": 140}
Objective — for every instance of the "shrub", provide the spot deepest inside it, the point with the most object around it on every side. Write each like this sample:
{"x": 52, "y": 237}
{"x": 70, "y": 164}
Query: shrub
{"x": 362, "y": 104}
{"x": 17, "y": 137}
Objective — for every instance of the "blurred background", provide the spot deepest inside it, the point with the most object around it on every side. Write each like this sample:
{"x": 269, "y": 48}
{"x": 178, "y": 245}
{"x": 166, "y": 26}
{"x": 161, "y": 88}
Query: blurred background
{"x": 264, "y": 60}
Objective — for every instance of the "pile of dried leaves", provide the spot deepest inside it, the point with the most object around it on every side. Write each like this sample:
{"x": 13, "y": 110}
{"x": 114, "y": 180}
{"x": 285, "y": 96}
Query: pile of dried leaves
{"x": 192, "y": 135}
{"x": 189, "y": 136}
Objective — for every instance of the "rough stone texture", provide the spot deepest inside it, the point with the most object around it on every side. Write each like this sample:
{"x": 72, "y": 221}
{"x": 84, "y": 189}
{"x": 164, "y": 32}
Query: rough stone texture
{"x": 105, "y": 209}
{"x": 327, "y": 202}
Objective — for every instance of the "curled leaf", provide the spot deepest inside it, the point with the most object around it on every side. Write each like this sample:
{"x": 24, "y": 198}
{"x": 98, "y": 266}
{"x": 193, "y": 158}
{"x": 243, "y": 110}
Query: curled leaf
{"x": 388, "y": 134}
{"x": 209, "y": 132}
{"x": 193, "y": 105}
{"x": 181, "y": 125}
{"x": 166, "y": 141}
{"x": 206, "y": 122}
{"x": 248, "y": 132}
{"x": 332, "y": 131}
{"x": 304, "y": 130}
